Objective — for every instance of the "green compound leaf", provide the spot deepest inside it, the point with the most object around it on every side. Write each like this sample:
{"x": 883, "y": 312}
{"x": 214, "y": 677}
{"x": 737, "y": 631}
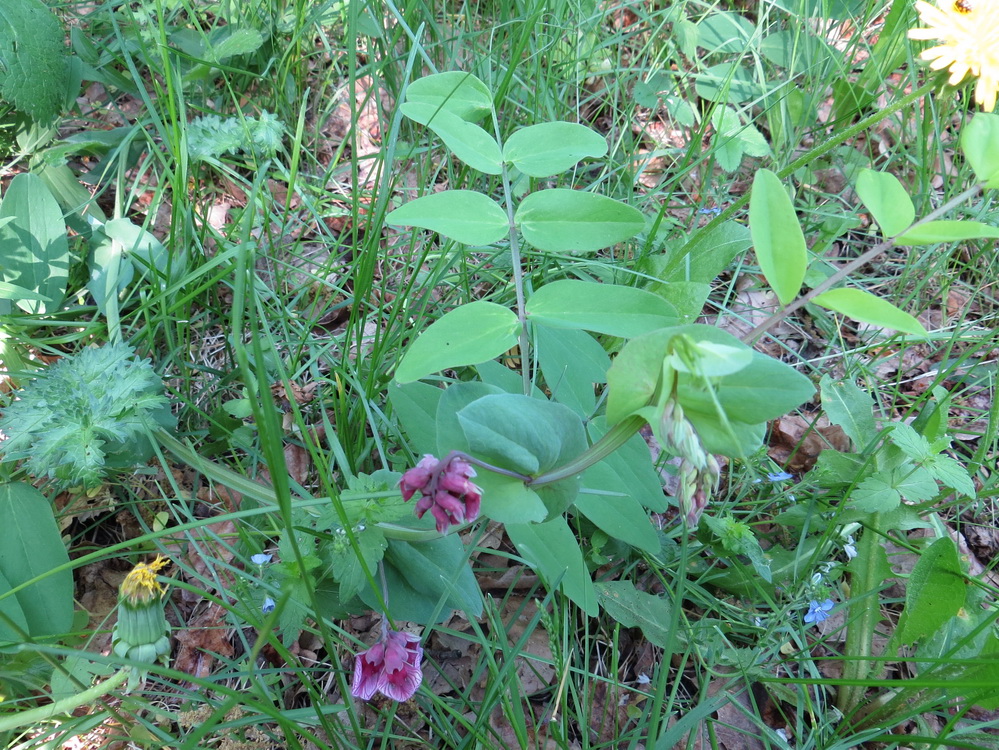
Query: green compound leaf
{"x": 980, "y": 142}
{"x": 866, "y": 307}
{"x": 561, "y": 220}
{"x": 463, "y": 215}
{"x": 887, "y": 200}
{"x": 467, "y": 141}
{"x": 934, "y": 232}
{"x": 604, "y": 308}
{"x": 34, "y": 67}
{"x": 30, "y": 546}
{"x": 935, "y": 591}
{"x": 34, "y": 251}
{"x": 551, "y": 147}
{"x": 552, "y": 550}
{"x": 777, "y": 236}
{"x": 467, "y": 335}
{"x": 461, "y": 94}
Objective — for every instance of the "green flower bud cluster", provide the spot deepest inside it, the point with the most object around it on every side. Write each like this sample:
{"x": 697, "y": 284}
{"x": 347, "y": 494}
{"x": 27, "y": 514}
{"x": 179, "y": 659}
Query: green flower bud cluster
{"x": 141, "y": 633}
{"x": 699, "y": 470}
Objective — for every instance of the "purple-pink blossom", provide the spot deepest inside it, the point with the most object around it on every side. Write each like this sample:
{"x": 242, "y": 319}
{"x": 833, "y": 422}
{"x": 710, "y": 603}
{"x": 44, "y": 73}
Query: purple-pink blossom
{"x": 445, "y": 489}
{"x": 391, "y": 666}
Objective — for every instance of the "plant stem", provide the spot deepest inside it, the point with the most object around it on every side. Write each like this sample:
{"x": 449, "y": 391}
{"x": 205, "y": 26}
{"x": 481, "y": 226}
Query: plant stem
{"x": 64, "y": 706}
{"x": 618, "y": 436}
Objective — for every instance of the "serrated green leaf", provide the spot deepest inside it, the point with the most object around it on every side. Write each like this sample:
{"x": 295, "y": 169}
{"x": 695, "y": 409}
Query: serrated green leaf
{"x": 914, "y": 445}
{"x": 934, "y": 592}
{"x": 467, "y": 335}
{"x": 466, "y": 140}
{"x": 851, "y": 408}
{"x": 867, "y": 308}
{"x": 463, "y": 215}
{"x": 876, "y": 494}
{"x": 603, "y": 308}
{"x": 887, "y": 201}
{"x": 638, "y": 609}
{"x": 952, "y": 473}
{"x": 560, "y": 220}
{"x": 31, "y": 546}
{"x": 916, "y": 485}
{"x": 548, "y": 148}
{"x": 460, "y": 93}
{"x": 777, "y": 236}
{"x": 34, "y": 76}
{"x": 552, "y": 550}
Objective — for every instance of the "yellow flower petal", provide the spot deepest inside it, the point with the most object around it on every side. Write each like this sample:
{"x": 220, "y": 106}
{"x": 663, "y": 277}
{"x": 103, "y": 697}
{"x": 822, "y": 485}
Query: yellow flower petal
{"x": 140, "y": 585}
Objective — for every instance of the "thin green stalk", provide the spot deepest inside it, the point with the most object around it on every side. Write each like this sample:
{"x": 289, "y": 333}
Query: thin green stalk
{"x": 66, "y": 705}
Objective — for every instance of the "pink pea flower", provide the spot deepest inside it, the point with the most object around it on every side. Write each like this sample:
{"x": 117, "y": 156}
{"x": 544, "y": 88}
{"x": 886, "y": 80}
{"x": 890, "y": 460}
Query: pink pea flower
{"x": 391, "y": 666}
{"x": 445, "y": 489}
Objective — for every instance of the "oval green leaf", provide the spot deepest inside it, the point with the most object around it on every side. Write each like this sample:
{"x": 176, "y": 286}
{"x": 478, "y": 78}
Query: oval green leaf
{"x": 777, "y": 236}
{"x": 467, "y": 141}
{"x": 934, "y": 232}
{"x": 552, "y": 147}
{"x": 603, "y": 308}
{"x": 866, "y": 307}
{"x": 463, "y": 215}
{"x": 460, "y": 93}
{"x": 561, "y": 220}
{"x": 467, "y": 335}
{"x": 980, "y": 143}
{"x": 886, "y": 199}
{"x": 552, "y": 550}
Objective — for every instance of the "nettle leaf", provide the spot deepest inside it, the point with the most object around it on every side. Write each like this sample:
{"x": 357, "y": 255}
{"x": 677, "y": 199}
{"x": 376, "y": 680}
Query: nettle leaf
{"x": 561, "y": 220}
{"x": 466, "y": 140}
{"x": 34, "y": 65}
{"x": 953, "y": 230}
{"x": 980, "y": 143}
{"x": 467, "y": 335}
{"x": 876, "y": 494}
{"x": 463, "y": 215}
{"x": 460, "y": 93}
{"x": 548, "y": 148}
{"x": 777, "y": 236}
{"x": 934, "y": 592}
{"x": 34, "y": 250}
{"x": 603, "y": 308}
{"x": 887, "y": 201}
{"x": 868, "y": 308}
{"x": 552, "y": 550}
{"x": 31, "y": 546}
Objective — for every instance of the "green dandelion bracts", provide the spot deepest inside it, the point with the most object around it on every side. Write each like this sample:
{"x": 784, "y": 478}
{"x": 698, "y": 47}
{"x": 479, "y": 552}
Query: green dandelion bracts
{"x": 141, "y": 633}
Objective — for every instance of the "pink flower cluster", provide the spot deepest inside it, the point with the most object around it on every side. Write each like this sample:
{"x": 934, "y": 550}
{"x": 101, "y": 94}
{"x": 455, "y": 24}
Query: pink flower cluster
{"x": 445, "y": 489}
{"x": 391, "y": 666}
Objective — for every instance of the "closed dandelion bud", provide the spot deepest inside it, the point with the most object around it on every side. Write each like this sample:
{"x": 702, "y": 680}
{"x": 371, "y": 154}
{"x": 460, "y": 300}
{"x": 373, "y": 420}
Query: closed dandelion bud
{"x": 141, "y": 631}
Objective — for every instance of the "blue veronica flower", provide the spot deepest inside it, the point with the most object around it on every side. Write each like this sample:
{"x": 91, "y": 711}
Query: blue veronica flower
{"x": 268, "y": 606}
{"x": 779, "y": 476}
{"x": 261, "y": 559}
{"x": 818, "y": 611}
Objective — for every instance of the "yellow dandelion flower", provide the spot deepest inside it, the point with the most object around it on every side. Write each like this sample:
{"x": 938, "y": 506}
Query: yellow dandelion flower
{"x": 140, "y": 585}
{"x": 968, "y": 31}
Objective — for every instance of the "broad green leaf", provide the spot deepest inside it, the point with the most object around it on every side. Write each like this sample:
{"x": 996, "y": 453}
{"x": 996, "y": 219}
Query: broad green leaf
{"x": 119, "y": 248}
{"x": 460, "y": 93}
{"x": 34, "y": 60}
{"x": 634, "y": 377}
{"x": 551, "y": 147}
{"x": 716, "y": 247}
{"x": 980, "y": 143}
{"x": 619, "y": 515}
{"x": 867, "y": 308}
{"x": 10, "y": 607}
{"x": 777, "y": 236}
{"x": 561, "y": 220}
{"x": 463, "y": 215}
{"x": 887, "y": 201}
{"x": 604, "y": 308}
{"x": 724, "y": 32}
{"x": 573, "y": 363}
{"x": 14, "y": 292}
{"x": 729, "y": 82}
{"x": 629, "y": 468}
{"x": 733, "y": 139}
{"x": 415, "y": 406}
{"x": 552, "y": 550}
{"x": 467, "y": 335}
{"x": 507, "y": 500}
{"x": 467, "y": 141}
{"x": 31, "y": 546}
{"x": 876, "y": 494}
{"x": 638, "y": 609}
{"x": 934, "y": 232}
{"x": 34, "y": 251}
{"x": 851, "y": 408}
{"x": 934, "y": 593}
{"x": 455, "y": 398}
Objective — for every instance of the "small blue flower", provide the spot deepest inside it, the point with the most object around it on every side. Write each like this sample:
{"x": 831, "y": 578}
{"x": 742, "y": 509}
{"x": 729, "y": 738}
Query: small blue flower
{"x": 268, "y": 606}
{"x": 709, "y": 211}
{"x": 817, "y": 612}
{"x": 779, "y": 476}
{"x": 261, "y": 559}
{"x": 850, "y": 548}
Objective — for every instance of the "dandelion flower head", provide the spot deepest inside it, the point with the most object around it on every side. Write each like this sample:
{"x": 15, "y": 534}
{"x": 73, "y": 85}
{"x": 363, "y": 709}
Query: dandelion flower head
{"x": 968, "y": 32}
{"x": 140, "y": 585}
